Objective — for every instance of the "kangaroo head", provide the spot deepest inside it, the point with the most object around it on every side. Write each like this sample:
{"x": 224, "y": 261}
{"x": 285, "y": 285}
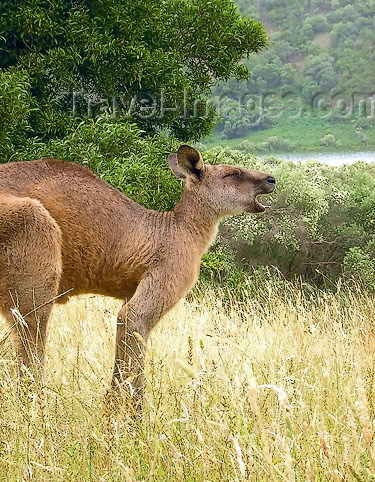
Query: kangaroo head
{"x": 225, "y": 189}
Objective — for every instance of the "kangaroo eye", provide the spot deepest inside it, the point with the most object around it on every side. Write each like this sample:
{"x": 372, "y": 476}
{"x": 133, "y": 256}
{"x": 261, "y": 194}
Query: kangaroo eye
{"x": 235, "y": 173}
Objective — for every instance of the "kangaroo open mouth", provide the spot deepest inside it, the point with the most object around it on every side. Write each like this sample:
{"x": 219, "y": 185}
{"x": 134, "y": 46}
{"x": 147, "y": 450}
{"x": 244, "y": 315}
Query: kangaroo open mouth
{"x": 260, "y": 206}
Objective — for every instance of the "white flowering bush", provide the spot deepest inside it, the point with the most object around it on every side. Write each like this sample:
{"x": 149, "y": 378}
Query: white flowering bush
{"x": 321, "y": 225}
{"x": 330, "y": 140}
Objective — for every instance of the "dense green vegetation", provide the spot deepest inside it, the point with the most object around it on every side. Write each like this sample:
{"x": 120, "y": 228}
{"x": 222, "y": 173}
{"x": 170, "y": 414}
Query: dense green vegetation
{"x": 318, "y": 50}
{"x": 316, "y": 45}
{"x": 120, "y": 58}
{"x": 320, "y": 227}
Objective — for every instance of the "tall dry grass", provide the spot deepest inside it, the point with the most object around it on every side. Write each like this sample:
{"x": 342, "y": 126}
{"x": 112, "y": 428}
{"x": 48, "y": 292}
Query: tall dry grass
{"x": 281, "y": 389}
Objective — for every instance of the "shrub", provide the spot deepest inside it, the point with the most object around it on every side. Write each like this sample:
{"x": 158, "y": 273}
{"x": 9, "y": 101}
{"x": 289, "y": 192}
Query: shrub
{"x": 319, "y": 23}
{"x": 15, "y": 109}
{"x": 320, "y": 228}
{"x": 119, "y": 154}
{"x": 319, "y": 213}
{"x": 359, "y": 266}
{"x": 273, "y": 143}
{"x": 238, "y": 124}
{"x": 329, "y": 140}
{"x": 364, "y": 123}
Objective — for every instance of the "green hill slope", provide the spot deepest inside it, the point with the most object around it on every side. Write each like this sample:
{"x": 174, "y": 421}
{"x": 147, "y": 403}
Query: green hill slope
{"x": 320, "y": 63}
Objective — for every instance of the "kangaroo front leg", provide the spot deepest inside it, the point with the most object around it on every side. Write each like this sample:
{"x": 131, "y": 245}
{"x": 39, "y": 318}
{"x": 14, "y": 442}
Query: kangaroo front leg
{"x": 135, "y": 321}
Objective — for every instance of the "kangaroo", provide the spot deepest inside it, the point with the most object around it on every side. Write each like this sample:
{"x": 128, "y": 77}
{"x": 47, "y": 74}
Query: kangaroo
{"x": 64, "y": 231}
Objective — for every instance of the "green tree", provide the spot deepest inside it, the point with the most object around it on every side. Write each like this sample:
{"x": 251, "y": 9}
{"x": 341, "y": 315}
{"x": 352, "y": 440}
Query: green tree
{"x": 319, "y": 23}
{"x": 15, "y": 109}
{"x": 320, "y": 69}
{"x": 125, "y": 49}
{"x": 315, "y": 46}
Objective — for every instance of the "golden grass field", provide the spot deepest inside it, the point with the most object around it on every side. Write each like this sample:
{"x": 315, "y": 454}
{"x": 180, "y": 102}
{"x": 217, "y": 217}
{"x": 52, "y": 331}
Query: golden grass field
{"x": 275, "y": 390}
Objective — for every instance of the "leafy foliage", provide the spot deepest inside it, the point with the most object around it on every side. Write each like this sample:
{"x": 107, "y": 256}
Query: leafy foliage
{"x": 272, "y": 144}
{"x": 119, "y": 154}
{"x": 15, "y": 109}
{"x": 126, "y": 50}
{"x": 320, "y": 227}
{"x": 329, "y": 60}
{"x": 314, "y": 47}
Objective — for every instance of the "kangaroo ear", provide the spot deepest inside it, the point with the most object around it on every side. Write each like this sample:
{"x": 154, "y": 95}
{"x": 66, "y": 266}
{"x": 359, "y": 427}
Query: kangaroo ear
{"x": 190, "y": 161}
{"x": 173, "y": 164}
{"x": 187, "y": 162}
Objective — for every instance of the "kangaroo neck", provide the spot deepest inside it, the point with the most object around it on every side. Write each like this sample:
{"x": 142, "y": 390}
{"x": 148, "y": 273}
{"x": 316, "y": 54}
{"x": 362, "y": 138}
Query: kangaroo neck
{"x": 194, "y": 216}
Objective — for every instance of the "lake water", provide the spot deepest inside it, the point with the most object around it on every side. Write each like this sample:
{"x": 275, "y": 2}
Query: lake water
{"x": 333, "y": 159}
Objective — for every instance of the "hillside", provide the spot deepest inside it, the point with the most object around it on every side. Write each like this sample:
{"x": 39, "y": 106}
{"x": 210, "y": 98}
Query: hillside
{"x": 315, "y": 45}
{"x": 320, "y": 63}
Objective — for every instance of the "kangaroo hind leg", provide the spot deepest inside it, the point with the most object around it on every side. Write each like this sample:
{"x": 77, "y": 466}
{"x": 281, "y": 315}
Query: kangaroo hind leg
{"x": 30, "y": 270}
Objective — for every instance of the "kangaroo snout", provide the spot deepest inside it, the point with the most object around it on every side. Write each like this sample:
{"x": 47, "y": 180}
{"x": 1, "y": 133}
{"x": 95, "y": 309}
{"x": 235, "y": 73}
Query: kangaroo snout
{"x": 268, "y": 185}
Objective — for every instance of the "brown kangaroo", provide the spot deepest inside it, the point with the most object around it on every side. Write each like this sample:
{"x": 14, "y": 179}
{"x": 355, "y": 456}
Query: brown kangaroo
{"x": 64, "y": 230}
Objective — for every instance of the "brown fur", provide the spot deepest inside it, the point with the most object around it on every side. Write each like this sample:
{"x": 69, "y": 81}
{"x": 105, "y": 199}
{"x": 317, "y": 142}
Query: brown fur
{"x": 62, "y": 229}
